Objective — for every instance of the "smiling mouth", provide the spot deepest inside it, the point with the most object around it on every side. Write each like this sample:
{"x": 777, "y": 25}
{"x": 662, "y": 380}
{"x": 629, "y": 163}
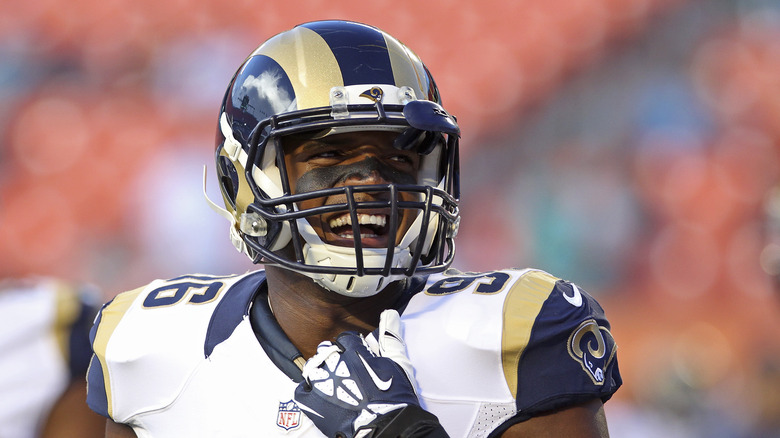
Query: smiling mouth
{"x": 373, "y": 229}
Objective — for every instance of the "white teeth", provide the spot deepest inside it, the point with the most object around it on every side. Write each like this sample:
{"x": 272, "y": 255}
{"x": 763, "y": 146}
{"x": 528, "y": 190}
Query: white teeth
{"x": 362, "y": 236}
{"x": 363, "y": 219}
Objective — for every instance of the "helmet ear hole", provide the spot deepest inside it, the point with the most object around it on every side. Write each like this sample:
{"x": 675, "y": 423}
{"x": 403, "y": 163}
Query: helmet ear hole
{"x": 228, "y": 179}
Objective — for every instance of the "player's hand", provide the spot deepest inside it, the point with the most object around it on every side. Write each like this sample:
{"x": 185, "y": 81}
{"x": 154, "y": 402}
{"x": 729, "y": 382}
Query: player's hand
{"x": 348, "y": 391}
{"x": 388, "y": 341}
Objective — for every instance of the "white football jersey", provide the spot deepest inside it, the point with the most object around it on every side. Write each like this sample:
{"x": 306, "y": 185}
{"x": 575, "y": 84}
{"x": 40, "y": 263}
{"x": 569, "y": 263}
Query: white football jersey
{"x": 44, "y": 327}
{"x": 202, "y": 356}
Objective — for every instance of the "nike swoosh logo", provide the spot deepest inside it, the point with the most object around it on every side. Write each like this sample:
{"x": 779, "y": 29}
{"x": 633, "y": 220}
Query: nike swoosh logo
{"x": 308, "y": 409}
{"x": 576, "y": 299}
{"x": 383, "y": 385}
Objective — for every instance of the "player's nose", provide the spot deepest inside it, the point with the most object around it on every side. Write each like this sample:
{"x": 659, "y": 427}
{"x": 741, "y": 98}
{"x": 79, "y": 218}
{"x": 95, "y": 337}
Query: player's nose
{"x": 368, "y": 171}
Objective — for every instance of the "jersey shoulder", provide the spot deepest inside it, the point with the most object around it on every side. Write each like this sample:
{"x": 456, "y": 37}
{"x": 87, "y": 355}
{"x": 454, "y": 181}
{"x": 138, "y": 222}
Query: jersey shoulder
{"x": 552, "y": 338}
{"x": 148, "y": 341}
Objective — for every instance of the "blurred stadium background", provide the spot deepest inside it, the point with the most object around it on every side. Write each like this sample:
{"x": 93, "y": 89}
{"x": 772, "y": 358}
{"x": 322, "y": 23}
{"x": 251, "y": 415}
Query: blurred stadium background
{"x": 628, "y": 145}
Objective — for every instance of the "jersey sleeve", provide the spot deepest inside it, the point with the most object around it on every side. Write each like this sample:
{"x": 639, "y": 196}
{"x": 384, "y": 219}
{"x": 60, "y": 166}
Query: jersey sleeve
{"x": 495, "y": 348}
{"x": 101, "y": 367}
{"x": 557, "y": 346}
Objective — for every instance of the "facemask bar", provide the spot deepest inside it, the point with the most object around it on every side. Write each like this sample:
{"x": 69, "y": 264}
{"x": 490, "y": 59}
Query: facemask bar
{"x": 284, "y": 210}
{"x": 427, "y": 208}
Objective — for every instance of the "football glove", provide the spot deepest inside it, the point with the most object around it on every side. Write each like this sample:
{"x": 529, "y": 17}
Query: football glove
{"x": 350, "y": 392}
{"x": 387, "y": 341}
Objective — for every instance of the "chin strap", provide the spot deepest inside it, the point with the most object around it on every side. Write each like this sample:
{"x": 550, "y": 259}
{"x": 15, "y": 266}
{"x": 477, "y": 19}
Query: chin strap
{"x": 232, "y": 146}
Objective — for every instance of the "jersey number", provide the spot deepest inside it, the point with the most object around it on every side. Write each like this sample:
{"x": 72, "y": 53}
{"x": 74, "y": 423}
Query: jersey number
{"x": 490, "y": 283}
{"x": 170, "y": 294}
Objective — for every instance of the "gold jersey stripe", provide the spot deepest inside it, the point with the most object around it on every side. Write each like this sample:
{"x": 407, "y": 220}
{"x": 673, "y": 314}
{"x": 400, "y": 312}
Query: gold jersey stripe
{"x": 109, "y": 320}
{"x": 300, "y": 50}
{"x": 521, "y": 307}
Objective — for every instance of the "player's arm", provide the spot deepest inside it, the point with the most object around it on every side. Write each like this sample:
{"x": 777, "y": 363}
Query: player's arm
{"x": 117, "y": 430}
{"x": 581, "y": 421}
{"x": 71, "y": 417}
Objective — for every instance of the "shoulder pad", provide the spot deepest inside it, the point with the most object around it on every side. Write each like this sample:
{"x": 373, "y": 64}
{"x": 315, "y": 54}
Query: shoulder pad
{"x": 549, "y": 337}
{"x": 159, "y": 334}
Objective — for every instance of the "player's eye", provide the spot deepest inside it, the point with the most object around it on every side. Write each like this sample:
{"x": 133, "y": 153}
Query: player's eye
{"x": 402, "y": 159}
{"x": 325, "y": 154}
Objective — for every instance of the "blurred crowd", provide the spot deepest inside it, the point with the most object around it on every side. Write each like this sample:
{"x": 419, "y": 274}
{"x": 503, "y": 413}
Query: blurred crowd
{"x": 651, "y": 177}
{"x": 628, "y": 145}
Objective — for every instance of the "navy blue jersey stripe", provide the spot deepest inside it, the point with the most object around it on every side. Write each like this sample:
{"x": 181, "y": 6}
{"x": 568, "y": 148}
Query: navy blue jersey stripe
{"x": 231, "y": 310}
{"x": 366, "y": 63}
{"x": 97, "y": 399}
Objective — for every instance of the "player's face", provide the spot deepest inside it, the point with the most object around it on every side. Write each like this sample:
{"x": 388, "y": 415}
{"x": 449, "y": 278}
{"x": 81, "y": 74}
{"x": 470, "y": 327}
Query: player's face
{"x": 351, "y": 159}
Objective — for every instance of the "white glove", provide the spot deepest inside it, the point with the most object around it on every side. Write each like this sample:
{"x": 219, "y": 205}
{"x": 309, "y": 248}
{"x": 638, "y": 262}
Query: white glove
{"x": 387, "y": 341}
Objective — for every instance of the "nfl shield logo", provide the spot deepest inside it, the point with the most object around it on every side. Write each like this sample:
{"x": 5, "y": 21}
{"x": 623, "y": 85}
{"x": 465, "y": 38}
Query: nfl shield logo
{"x": 289, "y": 416}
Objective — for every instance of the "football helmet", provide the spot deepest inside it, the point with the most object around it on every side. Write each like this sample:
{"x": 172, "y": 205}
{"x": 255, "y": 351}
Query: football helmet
{"x": 323, "y": 78}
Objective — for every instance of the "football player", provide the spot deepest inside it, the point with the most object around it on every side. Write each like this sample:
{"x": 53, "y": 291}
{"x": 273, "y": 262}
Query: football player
{"x": 44, "y": 340}
{"x": 339, "y": 173}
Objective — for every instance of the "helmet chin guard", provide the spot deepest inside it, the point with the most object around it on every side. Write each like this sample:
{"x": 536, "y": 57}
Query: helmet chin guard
{"x": 387, "y": 89}
{"x": 353, "y": 285}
